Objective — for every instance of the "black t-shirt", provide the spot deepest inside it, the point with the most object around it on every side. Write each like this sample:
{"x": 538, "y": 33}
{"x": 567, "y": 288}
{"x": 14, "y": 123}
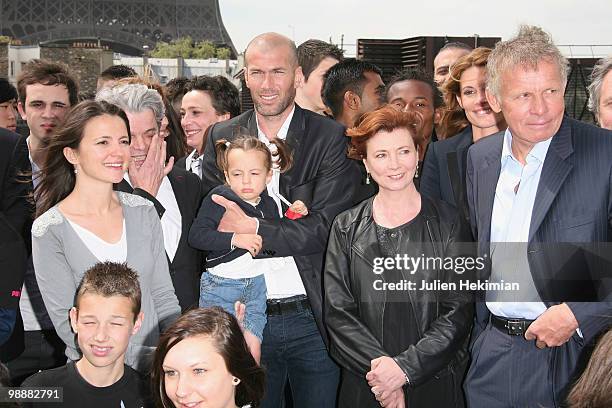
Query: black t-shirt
{"x": 129, "y": 392}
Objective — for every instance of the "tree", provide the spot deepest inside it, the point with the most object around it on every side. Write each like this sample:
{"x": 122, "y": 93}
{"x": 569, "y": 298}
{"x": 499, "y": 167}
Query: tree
{"x": 223, "y": 53}
{"x": 184, "y": 47}
{"x": 204, "y": 50}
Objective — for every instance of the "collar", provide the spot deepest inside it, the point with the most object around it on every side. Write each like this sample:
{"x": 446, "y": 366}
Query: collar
{"x": 284, "y": 129}
{"x": 537, "y": 152}
{"x": 35, "y": 167}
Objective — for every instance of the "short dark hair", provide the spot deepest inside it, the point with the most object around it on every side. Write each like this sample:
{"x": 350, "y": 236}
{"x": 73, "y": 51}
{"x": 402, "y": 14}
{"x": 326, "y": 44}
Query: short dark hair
{"x": 224, "y": 95}
{"x": 118, "y": 72}
{"x": 347, "y": 75}
{"x": 7, "y": 91}
{"x": 44, "y": 72}
{"x": 417, "y": 74}
{"x": 175, "y": 88}
{"x": 109, "y": 279}
{"x": 224, "y": 331}
{"x": 455, "y": 45}
{"x": 310, "y": 53}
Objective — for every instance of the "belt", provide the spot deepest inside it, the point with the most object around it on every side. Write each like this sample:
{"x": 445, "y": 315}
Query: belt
{"x": 287, "y": 305}
{"x": 513, "y": 327}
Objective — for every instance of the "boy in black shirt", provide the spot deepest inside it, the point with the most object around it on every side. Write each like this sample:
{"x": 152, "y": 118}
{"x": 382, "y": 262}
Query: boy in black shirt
{"x": 106, "y": 314}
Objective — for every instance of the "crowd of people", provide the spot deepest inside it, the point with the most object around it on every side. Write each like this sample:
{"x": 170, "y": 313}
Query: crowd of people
{"x": 439, "y": 240}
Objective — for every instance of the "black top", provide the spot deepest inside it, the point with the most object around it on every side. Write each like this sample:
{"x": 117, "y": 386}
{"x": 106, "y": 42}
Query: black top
{"x": 129, "y": 392}
{"x": 204, "y": 235}
{"x": 399, "y": 323}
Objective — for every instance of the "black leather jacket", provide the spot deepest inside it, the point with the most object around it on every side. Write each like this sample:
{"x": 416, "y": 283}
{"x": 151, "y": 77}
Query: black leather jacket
{"x": 354, "y": 311}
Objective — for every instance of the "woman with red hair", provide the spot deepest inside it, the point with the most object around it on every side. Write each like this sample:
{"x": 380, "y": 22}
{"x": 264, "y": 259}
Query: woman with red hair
{"x": 400, "y": 341}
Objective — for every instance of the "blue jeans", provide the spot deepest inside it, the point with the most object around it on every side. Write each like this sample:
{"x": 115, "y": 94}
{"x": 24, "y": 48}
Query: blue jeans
{"x": 224, "y": 292}
{"x": 293, "y": 350}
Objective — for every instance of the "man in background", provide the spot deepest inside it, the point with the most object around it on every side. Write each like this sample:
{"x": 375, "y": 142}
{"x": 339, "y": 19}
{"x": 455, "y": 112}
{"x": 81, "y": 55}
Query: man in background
{"x": 315, "y": 58}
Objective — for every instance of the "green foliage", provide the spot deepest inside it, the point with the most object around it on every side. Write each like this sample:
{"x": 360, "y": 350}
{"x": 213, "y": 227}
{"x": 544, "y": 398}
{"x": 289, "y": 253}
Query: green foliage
{"x": 185, "y": 47}
{"x": 223, "y": 53}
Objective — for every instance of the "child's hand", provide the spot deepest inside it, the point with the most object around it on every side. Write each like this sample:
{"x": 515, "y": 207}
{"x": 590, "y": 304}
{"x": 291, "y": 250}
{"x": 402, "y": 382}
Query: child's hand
{"x": 250, "y": 242}
{"x": 299, "y": 207}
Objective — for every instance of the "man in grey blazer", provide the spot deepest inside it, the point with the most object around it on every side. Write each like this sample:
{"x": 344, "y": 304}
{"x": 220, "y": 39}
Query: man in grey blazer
{"x": 544, "y": 185}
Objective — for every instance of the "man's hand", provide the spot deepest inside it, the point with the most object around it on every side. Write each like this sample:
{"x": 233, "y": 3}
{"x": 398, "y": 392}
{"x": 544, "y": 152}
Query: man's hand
{"x": 250, "y": 242}
{"x": 234, "y": 219}
{"x": 554, "y": 327}
{"x": 385, "y": 377}
{"x": 149, "y": 175}
{"x": 396, "y": 400}
{"x": 299, "y": 207}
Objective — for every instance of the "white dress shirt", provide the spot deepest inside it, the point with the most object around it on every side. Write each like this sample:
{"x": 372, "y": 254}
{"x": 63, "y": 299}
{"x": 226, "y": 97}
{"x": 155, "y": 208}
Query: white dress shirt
{"x": 171, "y": 220}
{"x": 282, "y": 278}
{"x": 511, "y": 217}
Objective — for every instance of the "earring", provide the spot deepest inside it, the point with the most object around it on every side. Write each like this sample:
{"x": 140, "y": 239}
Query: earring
{"x": 368, "y": 178}
{"x": 236, "y": 381}
{"x": 416, "y": 173}
{"x": 75, "y": 170}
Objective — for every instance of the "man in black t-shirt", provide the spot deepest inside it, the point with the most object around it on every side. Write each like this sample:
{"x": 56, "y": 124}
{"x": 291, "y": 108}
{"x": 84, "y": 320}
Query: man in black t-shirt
{"x": 106, "y": 314}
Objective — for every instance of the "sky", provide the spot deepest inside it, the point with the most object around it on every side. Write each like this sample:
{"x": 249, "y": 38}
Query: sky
{"x": 569, "y": 21}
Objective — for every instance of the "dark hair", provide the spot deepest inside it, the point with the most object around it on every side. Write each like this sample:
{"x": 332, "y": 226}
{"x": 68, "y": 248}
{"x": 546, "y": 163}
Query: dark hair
{"x": 57, "y": 178}
{"x": 417, "y": 74}
{"x": 43, "y": 72}
{"x": 229, "y": 342}
{"x": 455, "y": 45}
{"x": 7, "y": 91}
{"x": 223, "y": 94}
{"x": 118, "y": 72}
{"x": 347, "y": 75}
{"x": 176, "y": 142}
{"x": 386, "y": 118}
{"x": 310, "y": 53}
{"x": 175, "y": 88}
{"x": 453, "y": 117}
{"x": 246, "y": 143}
{"x": 593, "y": 388}
{"x": 109, "y": 279}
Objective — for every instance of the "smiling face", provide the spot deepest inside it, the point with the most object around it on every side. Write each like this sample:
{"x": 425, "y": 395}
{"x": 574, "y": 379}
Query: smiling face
{"x": 197, "y": 114}
{"x": 45, "y": 108}
{"x": 270, "y": 75}
{"x": 195, "y": 375}
{"x": 532, "y": 101}
{"x": 413, "y": 95}
{"x": 104, "y": 151}
{"x": 247, "y": 174}
{"x": 472, "y": 98}
{"x": 103, "y": 326}
{"x": 391, "y": 159}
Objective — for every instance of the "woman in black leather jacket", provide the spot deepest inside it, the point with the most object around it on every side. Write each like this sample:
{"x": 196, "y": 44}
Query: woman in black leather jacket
{"x": 403, "y": 347}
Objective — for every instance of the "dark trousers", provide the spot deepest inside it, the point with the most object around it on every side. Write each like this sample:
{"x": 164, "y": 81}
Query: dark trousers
{"x": 509, "y": 371}
{"x": 293, "y": 350}
{"x": 43, "y": 349}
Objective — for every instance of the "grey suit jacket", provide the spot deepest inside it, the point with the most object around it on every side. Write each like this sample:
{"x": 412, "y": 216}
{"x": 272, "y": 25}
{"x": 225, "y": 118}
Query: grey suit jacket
{"x": 61, "y": 258}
